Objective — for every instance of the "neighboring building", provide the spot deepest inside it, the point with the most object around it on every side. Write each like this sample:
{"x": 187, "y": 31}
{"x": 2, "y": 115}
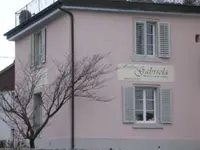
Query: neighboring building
{"x": 7, "y": 81}
{"x": 156, "y": 88}
{"x": 7, "y": 78}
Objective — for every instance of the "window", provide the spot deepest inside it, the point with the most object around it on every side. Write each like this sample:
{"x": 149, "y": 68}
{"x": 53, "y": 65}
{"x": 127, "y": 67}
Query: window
{"x": 145, "y": 38}
{"x": 152, "y": 39}
{"x": 145, "y": 105}
{"x": 37, "y": 114}
{"x": 38, "y": 48}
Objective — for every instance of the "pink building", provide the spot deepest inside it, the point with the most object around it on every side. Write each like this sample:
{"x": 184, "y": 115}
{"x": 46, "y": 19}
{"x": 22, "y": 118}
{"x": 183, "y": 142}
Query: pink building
{"x": 156, "y": 87}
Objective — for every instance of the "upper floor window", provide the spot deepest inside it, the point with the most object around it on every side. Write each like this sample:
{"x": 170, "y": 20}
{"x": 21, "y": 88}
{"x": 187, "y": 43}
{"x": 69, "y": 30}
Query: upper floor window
{"x": 152, "y": 39}
{"x": 145, "y": 38}
{"x": 38, "y": 48}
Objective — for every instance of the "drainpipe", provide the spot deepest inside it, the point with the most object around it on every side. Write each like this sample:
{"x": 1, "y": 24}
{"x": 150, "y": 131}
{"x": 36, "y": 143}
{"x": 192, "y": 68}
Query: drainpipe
{"x": 72, "y": 74}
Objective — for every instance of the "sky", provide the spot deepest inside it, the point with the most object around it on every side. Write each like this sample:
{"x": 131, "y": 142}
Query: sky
{"x": 7, "y": 15}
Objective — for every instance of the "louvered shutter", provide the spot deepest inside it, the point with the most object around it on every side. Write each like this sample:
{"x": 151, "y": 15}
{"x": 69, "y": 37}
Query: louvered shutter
{"x": 140, "y": 38}
{"x": 164, "y": 49}
{"x": 43, "y": 47}
{"x": 128, "y": 104}
{"x": 158, "y": 105}
{"x": 32, "y": 50}
{"x": 165, "y": 106}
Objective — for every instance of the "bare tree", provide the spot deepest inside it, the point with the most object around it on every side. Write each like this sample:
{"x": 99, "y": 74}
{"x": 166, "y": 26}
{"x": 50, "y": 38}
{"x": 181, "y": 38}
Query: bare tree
{"x": 18, "y": 143}
{"x": 191, "y": 2}
{"x": 20, "y": 109}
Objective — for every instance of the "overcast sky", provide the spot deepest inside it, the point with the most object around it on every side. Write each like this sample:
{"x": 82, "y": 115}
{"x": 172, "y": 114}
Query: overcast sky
{"x": 7, "y": 15}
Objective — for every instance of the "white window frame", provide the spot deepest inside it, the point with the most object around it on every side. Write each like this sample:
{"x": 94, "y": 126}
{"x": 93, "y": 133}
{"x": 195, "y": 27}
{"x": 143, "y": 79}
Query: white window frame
{"x": 145, "y": 38}
{"x": 144, "y": 106}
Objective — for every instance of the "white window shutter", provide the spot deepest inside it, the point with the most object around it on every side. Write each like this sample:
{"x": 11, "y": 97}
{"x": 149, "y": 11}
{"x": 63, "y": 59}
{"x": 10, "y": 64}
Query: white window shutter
{"x": 158, "y": 105}
{"x": 128, "y": 105}
{"x": 32, "y": 50}
{"x": 140, "y": 38}
{"x": 164, "y": 49}
{"x": 43, "y": 46}
{"x": 165, "y": 106}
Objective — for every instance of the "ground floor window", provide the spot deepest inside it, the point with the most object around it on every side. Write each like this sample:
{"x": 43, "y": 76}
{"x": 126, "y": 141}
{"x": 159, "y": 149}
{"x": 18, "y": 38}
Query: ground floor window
{"x": 145, "y": 104}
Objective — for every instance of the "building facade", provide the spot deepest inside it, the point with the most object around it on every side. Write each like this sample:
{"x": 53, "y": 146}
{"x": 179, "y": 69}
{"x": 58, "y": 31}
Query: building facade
{"x": 155, "y": 88}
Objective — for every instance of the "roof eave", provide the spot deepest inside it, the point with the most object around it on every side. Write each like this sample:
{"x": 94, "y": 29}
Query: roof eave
{"x": 32, "y": 20}
{"x": 104, "y": 5}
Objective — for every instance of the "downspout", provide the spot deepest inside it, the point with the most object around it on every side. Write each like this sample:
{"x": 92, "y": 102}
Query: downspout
{"x": 72, "y": 74}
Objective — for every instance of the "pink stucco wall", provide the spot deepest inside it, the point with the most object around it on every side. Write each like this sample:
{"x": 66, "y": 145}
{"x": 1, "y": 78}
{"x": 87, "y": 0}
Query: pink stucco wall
{"x": 113, "y": 32}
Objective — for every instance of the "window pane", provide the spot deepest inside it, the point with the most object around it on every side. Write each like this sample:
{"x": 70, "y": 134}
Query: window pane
{"x": 150, "y": 28}
{"x": 140, "y": 38}
{"x": 150, "y": 116}
{"x": 139, "y": 115}
{"x": 150, "y": 105}
{"x": 149, "y": 39}
{"x": 139, "y": 104}
{"x": 37, "y": 114}
{"x": 138, "y": 93}
{"x": 149, "y": 93}
{"x": 37, "y": 45}
{"x": 149, "y": 49}
{"x": 40, "y": 48}
{"x": 140, "y": 49}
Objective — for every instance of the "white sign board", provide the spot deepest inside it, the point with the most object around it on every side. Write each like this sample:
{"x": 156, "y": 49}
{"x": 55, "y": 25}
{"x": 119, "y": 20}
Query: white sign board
{"x": 143, "y": 72}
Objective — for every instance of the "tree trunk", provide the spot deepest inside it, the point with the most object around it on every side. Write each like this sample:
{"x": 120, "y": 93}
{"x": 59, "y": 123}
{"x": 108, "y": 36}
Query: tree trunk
{"x": 32, "y": 143}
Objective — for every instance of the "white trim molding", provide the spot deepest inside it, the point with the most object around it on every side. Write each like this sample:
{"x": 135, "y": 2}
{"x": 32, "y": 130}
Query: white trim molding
{"x": 128, "y": 11}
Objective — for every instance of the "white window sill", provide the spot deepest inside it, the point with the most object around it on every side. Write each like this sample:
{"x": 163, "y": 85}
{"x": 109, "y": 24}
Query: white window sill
{"x": 147, "y": 126}
{"x": 146, "y": 58}
{"x": 39, "y": 66}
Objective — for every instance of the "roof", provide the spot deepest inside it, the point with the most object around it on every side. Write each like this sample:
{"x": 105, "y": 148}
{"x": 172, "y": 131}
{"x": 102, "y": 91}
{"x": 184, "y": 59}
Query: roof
{"x": 117, "y": 5}
{"x": 7, "y": 78}
{"x": 7, "y": 68}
